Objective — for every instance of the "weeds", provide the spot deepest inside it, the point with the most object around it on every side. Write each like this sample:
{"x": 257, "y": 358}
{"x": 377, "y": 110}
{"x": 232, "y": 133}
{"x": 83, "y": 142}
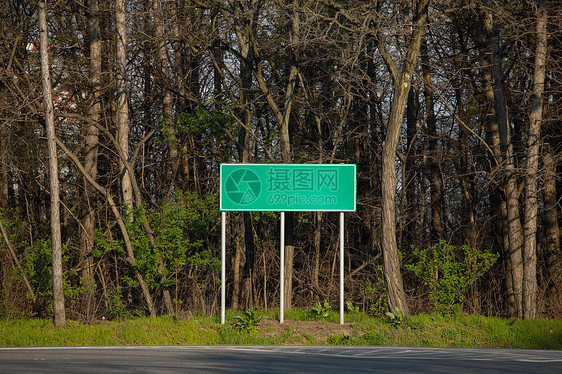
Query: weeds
{"x": 342, "y": 339}
{"x": 352, "y": 308}
{"x": 320, "y": 311}
{"x": 396, "y": 319}
{"x": 247, "y": 322}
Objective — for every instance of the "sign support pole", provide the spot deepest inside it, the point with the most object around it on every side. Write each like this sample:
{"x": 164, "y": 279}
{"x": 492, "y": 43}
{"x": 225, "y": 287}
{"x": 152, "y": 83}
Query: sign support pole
{"x": 282, "y": 271}
{"x": 223, "y": 266}
{"x": 341, "y": 267}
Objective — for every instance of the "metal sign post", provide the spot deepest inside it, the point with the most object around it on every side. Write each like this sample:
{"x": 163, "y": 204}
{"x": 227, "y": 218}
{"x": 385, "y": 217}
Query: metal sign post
{"x": 282, "y": 271}
{"x": 341, "y": 268}
{"x": 287, "y": 188}
{"x": 223, "y": 265}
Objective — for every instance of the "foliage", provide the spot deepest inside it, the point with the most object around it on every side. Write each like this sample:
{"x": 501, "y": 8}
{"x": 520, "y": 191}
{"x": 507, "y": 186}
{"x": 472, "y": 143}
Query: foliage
{"x": 397, "y": 318}
{"x": 352, "y": 308}
{"x": 179, "y": 230}
{"x": 117, "y": 308}
{"x": 105, "y": 243}
{"x": 207, "y": 126}
{"x": 37, "y": 267}
{"x": 320, "y": 311}
{"x": 116, "y": 305}
{"x": 449, "y": 271}
{"x": 247, "y": 322}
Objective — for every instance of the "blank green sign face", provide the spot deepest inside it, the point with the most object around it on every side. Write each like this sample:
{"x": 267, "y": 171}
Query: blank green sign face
{"x": 288, "y": 187}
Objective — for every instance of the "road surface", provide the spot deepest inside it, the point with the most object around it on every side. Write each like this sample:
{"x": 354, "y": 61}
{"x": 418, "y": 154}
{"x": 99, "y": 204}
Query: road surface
{"x": 275, "y": 359}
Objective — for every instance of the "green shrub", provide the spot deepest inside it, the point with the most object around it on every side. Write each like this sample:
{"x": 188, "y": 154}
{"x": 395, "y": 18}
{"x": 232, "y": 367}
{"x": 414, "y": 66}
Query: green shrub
{"x": 448, "y": 271}
{"x": 179, "y": 230}
{"x": 36, "y": 264}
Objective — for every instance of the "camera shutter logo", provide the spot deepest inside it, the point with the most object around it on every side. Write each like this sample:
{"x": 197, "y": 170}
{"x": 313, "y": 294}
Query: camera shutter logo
{"x": 243, "y": 186}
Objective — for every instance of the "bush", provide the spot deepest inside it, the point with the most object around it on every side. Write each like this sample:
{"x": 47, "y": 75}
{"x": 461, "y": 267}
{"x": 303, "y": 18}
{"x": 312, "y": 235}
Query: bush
{"x": 448, "y": 271}
{"x": 179, "y": 230}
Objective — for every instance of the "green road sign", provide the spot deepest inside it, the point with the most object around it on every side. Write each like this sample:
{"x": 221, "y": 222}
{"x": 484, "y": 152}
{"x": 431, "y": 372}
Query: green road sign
{"x": 288, "y": 187}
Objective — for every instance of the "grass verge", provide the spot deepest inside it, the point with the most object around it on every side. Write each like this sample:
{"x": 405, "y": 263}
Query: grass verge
{"x": 433, "y": 330}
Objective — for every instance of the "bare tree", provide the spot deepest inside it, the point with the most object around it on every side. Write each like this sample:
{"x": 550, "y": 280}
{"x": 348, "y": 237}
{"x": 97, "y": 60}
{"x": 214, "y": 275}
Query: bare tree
{"x": 122, "y": 100}
{"x": 512, "y": 221}
{"x": 167, "y": 99}
{"x": 533, "y": 141}
{"x": 281, "y": 110}
{"x": 402, "y": 78}
{"x": 91, "y": 138}
{"x": 56, "y": 242}
{"x": 435, "y": 176}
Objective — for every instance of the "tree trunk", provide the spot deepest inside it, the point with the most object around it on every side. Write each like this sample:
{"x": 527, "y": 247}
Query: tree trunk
{"x": 4, "y": 150}
{"x": 436, "y": 185}
{"x": 122, "y": 115}
{"x": 56, "y": 240}
{"x": 554, "y": 258}
{"x": 392, "y": 267}
{"x": 401, "y": 79}
{"x": 244, "y": 152}
{"x": 499, "y": 204}
{"x": 248, "y": 290}
{"x": 317, "y": 249}
{"x": 511, "y": 192}
{"x": 167, "y": 117}
{"x": 236, "y": 265}
{"x": 181, "y": 168}
{"x": 286, "y": 155}
{"x": 531, "y": 190}
{"x": 411, "y": 211}
{"x": 123, "y": 133}
{"x": 91, "y": 138}
{"x": 167, "y": 101}
{"x": 318, "y": 216}
{"x": 466, "y": 179}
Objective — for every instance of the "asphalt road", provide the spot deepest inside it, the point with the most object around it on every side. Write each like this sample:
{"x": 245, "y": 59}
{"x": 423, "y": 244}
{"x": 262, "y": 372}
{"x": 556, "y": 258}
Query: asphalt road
{"x": 275, "y": 359}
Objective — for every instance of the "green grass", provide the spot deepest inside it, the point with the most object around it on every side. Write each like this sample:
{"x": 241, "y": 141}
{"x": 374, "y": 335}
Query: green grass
{"x": 138, "y": 331}
{"x": 433, "y": 330}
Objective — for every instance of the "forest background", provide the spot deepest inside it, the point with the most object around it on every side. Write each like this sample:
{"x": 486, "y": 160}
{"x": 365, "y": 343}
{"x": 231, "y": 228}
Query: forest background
{"x": 451, "y": 111}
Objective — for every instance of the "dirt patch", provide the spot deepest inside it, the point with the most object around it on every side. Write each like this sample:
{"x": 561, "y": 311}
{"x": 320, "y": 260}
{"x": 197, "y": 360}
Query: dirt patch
{"x": 304, "y": 332}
